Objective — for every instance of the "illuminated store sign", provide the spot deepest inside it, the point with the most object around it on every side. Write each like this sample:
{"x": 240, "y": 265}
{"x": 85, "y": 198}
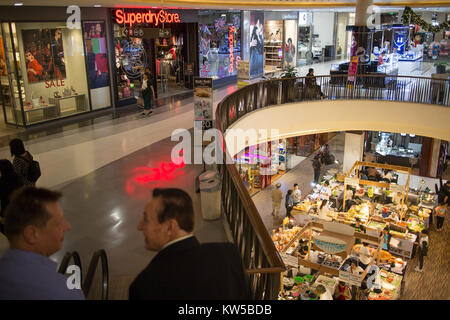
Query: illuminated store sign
{"x": 156, "y": 18}
{"x": 231, "y": 31}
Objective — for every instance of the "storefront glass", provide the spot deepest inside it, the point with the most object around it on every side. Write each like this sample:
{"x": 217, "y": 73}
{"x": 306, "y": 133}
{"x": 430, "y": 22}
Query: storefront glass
{"x": 130, "y": 61}
{"x": 220, "y": 43}
{"x": 97, "y": 63}
{"x": 49, "y": 79}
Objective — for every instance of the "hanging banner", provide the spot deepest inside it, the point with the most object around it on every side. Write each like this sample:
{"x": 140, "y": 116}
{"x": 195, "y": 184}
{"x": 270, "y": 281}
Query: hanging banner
{"x": 352, "y": 69}
{"x": 203, "y": 103}
{"x": 256, "y": 42}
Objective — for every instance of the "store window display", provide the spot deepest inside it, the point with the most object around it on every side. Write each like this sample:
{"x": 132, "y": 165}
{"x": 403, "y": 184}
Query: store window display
{"x": 220, "y": 43}
{"x": 97, "y": 63}
{"x": 52, "y": 73}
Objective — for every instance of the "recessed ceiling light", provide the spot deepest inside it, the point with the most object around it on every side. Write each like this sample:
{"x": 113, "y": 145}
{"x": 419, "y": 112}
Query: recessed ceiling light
{"x": 18, "y": 4}
{"x": 97, "y": 5}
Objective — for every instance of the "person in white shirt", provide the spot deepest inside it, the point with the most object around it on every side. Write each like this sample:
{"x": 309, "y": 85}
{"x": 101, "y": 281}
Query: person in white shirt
{"x": 364, "y": 256}
{"x": 387, "y": 175}
{"x": 297, "y": 194}
{"x": 355, "y": 269}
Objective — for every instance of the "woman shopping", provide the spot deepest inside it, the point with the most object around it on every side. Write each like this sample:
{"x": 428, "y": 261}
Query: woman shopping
{"x": 148, "y": 94}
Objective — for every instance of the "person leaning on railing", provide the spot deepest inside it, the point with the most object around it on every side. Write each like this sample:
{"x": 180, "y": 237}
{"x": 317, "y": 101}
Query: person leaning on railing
{"x": 311, "y": 84}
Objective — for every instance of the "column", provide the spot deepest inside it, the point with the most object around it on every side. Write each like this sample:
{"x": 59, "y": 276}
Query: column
{"x": 361, "y": 37}
{"x": 353, "y": 149}
{"x": 434, "y": 157}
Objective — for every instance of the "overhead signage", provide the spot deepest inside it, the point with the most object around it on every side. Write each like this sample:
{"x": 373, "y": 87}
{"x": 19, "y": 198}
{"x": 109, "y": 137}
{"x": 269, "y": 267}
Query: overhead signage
{"x": 145, "y": 17}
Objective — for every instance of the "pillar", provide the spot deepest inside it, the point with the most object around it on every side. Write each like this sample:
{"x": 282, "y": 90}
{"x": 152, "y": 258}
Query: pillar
{"x": 361, "y": 36}
{"x": 353, "y": 149}
{"x": 434, "y": 161}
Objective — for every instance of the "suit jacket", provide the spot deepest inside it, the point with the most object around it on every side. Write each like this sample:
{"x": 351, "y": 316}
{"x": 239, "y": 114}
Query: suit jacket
{"x": 188, "y": 270}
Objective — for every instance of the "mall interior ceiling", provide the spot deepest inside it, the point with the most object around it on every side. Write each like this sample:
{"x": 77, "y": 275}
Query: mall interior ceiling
{"x": 346, "y": 5}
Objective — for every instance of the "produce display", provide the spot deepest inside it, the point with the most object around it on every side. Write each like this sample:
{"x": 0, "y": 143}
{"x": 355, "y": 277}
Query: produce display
{"x": 281, "y": 237}
{"x": 415, "y": 225}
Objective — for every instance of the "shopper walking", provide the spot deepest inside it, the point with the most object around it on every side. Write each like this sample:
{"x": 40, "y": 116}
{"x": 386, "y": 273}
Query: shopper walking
{"x": 296, "y": 194}
{"x": 423, "y": 249}
{"x": 316, "y": 166}
{"x": 277, "y": 196}
{"x": 440, "y": 212}
{"x": 9, "y": 181}
{"x": 289, "y": 203}
{"x": 148, "y": 94}
{"x": 23, "y": 162}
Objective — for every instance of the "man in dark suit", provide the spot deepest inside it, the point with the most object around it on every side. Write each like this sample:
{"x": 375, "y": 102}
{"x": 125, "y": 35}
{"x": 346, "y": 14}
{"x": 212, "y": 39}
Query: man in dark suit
{"x": 184, "y": 269}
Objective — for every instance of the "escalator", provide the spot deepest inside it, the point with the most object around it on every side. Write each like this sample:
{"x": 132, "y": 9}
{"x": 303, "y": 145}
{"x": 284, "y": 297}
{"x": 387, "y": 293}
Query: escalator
{"x": 95, "y": 284}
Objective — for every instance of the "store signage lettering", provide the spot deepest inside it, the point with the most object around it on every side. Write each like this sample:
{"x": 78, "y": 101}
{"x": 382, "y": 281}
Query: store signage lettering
{"x": 231, "y": 42}
{"x": 131, "y": 18}
{"x": 56, "y": 83}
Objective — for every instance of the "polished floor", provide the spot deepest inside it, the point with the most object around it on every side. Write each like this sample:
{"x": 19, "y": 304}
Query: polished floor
{"x": 95, "y": 163}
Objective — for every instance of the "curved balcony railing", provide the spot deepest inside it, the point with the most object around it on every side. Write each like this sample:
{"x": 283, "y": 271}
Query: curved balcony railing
{"x": 262, "y": 260}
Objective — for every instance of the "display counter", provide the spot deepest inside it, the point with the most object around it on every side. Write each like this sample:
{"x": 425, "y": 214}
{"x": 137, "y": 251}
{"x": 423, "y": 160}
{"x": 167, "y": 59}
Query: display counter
{"x": 390, "y": 287}
{"x": 410, "y": 62}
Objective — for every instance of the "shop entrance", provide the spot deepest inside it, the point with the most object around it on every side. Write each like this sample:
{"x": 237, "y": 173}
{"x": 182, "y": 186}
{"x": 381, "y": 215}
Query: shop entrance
{"x": 163, "y": 51}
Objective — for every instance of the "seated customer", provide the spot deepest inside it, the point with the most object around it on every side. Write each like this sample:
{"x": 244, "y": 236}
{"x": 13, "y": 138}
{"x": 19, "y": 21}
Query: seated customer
{"x": 184, "y": 269}
{"x": 35, "y": 227}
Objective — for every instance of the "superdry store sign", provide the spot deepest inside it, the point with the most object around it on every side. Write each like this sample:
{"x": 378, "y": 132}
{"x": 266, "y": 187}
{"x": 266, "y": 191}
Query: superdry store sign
{"x": 156, "y": 18}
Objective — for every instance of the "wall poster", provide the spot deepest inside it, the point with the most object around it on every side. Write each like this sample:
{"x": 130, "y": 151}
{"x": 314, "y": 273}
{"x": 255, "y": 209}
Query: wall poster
{"x": 44, "y": 54}
{"x": 256, "y": 44}
{"x": 96, "y": 54}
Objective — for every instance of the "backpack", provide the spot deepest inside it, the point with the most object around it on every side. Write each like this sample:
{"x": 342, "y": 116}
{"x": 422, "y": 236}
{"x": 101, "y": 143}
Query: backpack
{"x": 34, "y": 170}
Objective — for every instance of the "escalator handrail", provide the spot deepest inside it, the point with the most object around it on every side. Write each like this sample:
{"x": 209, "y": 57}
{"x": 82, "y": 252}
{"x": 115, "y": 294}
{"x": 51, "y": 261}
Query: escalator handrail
{"x": 98, "y": 255}
{"x": 66, "y": 260}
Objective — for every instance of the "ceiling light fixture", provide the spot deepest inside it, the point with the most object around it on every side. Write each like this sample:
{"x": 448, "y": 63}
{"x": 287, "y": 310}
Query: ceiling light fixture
{"x": 18, "y": 4}
{"x": 97, "y": 5}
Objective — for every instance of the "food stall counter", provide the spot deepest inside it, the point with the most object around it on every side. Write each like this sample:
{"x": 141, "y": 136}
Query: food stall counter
{"x": 390, "y": 287}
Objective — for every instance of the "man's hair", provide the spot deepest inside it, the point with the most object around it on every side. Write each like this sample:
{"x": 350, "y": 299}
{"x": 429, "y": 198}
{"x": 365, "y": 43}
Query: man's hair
{"x": 311, "y": 70}
{"x": 27, "y": 207}
{"x": 295, "y": 185}
{"x": 176, "y": 204}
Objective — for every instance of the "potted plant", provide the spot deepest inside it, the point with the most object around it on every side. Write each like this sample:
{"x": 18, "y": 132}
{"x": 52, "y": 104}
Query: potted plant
{"x": 440, "y": 66}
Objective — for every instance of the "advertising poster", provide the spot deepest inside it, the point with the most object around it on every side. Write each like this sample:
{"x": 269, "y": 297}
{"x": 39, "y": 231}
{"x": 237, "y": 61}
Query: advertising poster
{"x": 203, "y": 102}
{"x": 352, "y": 69}
{"x": 44, "y": 54}
{"x": 96, "y": 54}
{"x": 290, "y": 34}
{"x": 3, "y": 70}
{"x": 256, "y": 43}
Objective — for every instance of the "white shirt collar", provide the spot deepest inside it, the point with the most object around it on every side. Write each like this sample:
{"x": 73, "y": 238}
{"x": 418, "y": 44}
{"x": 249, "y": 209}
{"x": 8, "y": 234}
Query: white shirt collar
{"x": 176, "y": 240}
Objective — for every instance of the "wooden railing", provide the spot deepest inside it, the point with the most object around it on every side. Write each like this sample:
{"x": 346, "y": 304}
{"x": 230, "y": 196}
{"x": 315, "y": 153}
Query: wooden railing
{"x": 261, "y": 259}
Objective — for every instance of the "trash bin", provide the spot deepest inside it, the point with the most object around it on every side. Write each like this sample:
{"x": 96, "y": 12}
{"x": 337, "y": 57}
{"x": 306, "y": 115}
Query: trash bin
{"x": 210, "y": 195}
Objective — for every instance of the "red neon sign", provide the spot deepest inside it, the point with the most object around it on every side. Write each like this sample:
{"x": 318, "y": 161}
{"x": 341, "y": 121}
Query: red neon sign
{"x": 131, "y": 18}
{"x": 146, "y": 176}
{"x": 231, "y": 43}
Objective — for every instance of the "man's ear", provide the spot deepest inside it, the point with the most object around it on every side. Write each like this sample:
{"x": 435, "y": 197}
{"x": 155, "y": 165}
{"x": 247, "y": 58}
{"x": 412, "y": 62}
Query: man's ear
{"x": 172, "y": 225}
{"x": 30, "y": 234}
